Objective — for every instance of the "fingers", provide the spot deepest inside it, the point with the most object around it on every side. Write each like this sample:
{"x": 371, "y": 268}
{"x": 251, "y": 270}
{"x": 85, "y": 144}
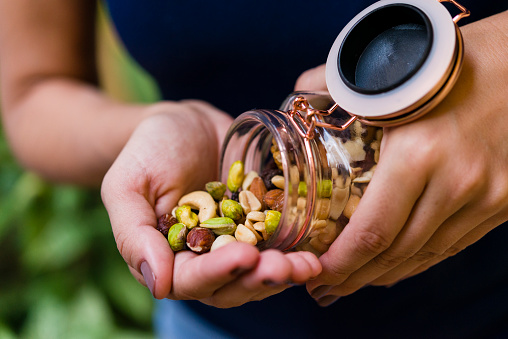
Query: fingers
{"x": 312, "y": 80}
{"x": 424, "y": 223}
{"x": 379, "y": 218}
{"x": 429, "y": 236}
{"x": 305, "y": 266}
{"x": 458, "y": 244}
{"x": 198, "y": 276}
{"x": 274, "y": 273}
{"x": 134, "y": 222}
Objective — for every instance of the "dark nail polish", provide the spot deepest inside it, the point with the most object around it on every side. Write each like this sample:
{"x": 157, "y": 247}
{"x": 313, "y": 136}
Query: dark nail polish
{"x": 148, "y": 276}
{"x": 320, "y": 291}
{"x": 327, "y": 300}
{"x": 271, "y": 283}
{"x": 292, "y": 283}
{"x": 239, "y": 271}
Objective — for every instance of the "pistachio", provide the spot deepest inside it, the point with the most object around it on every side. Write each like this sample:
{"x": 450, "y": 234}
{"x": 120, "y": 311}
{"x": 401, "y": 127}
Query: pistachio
{"x": 222, "y": 240}
{"x": 177, "y": 236}
{"x": 244, "y": 234}
{"x": 216, "y": 189}
{"x": 220, "y": 225}
{"x": 325, "y": 188}
{"x": 272, "y": 221}
{"x": 232, "y": 209}
{"x": 185, "y": 216}
{"x": 235, "y": 176}
{"x": 302, "y": 189}
{"x": 200, "y": 240}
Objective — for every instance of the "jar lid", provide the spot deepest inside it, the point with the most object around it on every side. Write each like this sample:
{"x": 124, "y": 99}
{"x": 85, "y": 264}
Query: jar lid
{"x": 393, "y": 58}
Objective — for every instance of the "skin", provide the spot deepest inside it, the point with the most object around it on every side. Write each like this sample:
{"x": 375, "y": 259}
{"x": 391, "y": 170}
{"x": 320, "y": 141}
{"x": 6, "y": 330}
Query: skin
{"x": 448, "y": 184}
{"x": 60, "y": 125}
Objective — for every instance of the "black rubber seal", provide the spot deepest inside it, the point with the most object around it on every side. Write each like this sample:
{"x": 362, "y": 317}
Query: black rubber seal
{"x": 385, "y": 48}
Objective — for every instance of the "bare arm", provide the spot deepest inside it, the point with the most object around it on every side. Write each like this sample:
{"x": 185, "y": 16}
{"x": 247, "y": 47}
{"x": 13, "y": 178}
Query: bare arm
{"x": 58, "y": 123}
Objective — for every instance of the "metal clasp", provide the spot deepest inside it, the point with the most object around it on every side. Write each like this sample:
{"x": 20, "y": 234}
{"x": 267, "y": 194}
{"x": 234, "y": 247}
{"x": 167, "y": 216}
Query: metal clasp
{"x": 306, "y": 124}
{"x": 464, "y": 11}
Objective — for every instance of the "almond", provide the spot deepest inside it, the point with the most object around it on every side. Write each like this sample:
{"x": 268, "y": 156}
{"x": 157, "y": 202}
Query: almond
{"x": 258, "y": 188}
{"x": 273, "y": 199}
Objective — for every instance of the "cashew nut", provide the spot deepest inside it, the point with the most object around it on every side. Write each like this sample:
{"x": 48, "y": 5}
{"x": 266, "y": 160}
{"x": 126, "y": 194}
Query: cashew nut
{"x": 201, "y": 201}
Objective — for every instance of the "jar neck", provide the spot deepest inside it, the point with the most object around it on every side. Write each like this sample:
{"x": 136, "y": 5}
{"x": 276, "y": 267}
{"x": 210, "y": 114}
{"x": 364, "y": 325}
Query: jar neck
{"x": 250, "y": 139}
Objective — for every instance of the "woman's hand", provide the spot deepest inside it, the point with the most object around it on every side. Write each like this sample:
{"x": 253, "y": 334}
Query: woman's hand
{"x": 441, "y": 183}
{"x": 172, "y": 152}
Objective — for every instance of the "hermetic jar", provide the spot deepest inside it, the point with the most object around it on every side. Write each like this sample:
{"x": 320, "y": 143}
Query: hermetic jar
{"x": 324, "y": 176}
{"x": 392, "y": 63}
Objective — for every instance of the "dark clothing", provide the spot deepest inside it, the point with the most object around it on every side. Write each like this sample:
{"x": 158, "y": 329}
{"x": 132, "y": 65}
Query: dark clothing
{"x": 240, "y": 55}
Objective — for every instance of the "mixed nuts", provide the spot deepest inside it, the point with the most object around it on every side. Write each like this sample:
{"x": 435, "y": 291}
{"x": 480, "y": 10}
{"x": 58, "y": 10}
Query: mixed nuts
{"x": 207, "y": 220}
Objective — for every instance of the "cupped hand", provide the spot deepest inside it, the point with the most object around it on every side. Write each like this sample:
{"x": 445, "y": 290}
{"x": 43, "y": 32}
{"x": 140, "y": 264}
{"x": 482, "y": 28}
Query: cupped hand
{"x": 174, "y": 151}
{"x": 441, "y": 183}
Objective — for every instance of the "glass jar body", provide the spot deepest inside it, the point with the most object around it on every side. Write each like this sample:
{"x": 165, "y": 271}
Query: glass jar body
{"x": 324, "y": 176}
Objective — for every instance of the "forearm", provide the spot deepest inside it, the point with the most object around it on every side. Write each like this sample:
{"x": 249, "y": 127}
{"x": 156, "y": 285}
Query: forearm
{"x": 67, "y": 130}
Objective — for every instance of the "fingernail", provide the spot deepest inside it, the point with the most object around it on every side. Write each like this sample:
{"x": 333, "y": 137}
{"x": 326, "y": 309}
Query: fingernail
{"x": 239, "y": 271}
{"x": 271, "y": 283}
{"x": 320, "y": 291}
{"x": 327, "y": 300}
{"x": 148, "y": 276}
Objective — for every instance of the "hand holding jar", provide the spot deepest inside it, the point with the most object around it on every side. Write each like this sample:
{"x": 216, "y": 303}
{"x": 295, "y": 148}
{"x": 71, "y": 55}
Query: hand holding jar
{"x": 173, "y": 151}
{"x": 440, "y": 184}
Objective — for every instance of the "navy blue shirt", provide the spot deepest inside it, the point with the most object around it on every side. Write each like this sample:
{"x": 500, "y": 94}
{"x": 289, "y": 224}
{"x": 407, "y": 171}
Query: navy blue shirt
{"x": 240, "y": 55}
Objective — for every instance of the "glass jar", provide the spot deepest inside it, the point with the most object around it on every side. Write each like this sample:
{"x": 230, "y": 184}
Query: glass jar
{"x": 326, "y": 170}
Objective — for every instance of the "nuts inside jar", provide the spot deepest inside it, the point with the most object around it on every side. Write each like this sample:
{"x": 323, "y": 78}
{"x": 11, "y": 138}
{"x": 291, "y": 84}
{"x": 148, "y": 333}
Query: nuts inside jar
{"x": 253, "y": 210}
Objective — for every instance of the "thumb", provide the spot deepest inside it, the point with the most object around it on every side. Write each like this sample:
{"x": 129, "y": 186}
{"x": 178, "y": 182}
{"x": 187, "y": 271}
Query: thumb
{"x": 143, "y": 247}
{"x": 312, "y": 80}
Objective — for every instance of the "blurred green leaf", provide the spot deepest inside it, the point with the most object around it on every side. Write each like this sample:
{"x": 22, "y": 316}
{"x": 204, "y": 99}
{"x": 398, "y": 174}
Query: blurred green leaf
{"x": 126, "y": 293}
{"x": 90, "y": 316}
{"x": 61, "y": 242}
{"x": 46, "y": 319}
{"x": 5, "y": 332}
{"x": 26, "y": 188}
{"x": 62, "y": 276}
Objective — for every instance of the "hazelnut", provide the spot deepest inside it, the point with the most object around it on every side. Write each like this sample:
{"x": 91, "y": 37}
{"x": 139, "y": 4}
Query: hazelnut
{"x": 165, "y": 222}
{"x": 200, "y": 240}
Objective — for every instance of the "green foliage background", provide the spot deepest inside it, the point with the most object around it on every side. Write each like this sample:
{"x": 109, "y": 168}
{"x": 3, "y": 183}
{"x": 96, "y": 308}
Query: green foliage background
{"x": 61, "y": 275}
